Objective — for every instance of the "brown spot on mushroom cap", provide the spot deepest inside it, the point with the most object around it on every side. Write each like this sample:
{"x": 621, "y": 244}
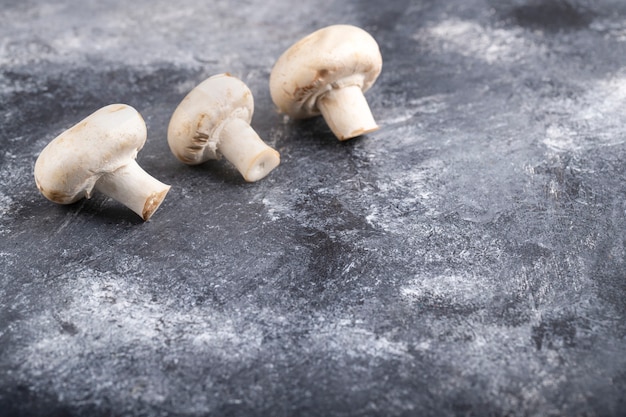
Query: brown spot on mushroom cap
{"x": 119, "y": 107}
{"x": 56, "y": 196}
{"x": 80, "y": 126}
{"x": 321, "y": 74}
{"x": 331, "y": 57}
{"x": 60, "y": 197}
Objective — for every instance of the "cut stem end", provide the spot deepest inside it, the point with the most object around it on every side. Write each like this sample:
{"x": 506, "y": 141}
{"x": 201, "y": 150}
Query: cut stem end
{"x": 135, "y": 188}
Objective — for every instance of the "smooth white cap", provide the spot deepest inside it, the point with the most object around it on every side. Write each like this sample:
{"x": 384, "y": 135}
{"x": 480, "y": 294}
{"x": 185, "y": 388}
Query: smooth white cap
{"x": 333, "y": 57}
{"x": 70, "y": 165}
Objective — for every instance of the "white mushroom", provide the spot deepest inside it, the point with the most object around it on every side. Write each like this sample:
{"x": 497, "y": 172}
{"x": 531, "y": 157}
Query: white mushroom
{"x": 213, "y": 120}
{"x": 327, "y": 72}
{"x": 99, "y": 154}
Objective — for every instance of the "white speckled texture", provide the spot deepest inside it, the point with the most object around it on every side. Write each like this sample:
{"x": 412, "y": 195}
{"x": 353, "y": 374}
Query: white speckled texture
{"x": 467, "y": 259}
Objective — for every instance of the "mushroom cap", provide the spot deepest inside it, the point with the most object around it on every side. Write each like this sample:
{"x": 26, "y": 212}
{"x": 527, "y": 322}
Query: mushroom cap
{"x": 332, "y": 57}
{"x": 196, "y": 124}
{"x": 70, "y": 165}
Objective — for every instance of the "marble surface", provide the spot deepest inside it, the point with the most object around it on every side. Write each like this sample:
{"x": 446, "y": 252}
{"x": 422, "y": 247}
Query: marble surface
{"x": 467, "y": 259}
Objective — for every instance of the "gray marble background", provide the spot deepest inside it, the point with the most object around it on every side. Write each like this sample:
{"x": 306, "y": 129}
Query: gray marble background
{"x": 467, "y": 259}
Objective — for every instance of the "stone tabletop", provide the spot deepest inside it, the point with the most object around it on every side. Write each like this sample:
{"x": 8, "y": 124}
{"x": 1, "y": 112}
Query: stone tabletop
{"x": 467, "y": 259}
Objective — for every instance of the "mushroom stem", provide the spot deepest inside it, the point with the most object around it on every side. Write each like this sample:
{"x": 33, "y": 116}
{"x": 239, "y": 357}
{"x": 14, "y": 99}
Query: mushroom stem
{"x": 241, "y": 145}
{"x": 346, "y": 111}
{"x": 135, "y": 188}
